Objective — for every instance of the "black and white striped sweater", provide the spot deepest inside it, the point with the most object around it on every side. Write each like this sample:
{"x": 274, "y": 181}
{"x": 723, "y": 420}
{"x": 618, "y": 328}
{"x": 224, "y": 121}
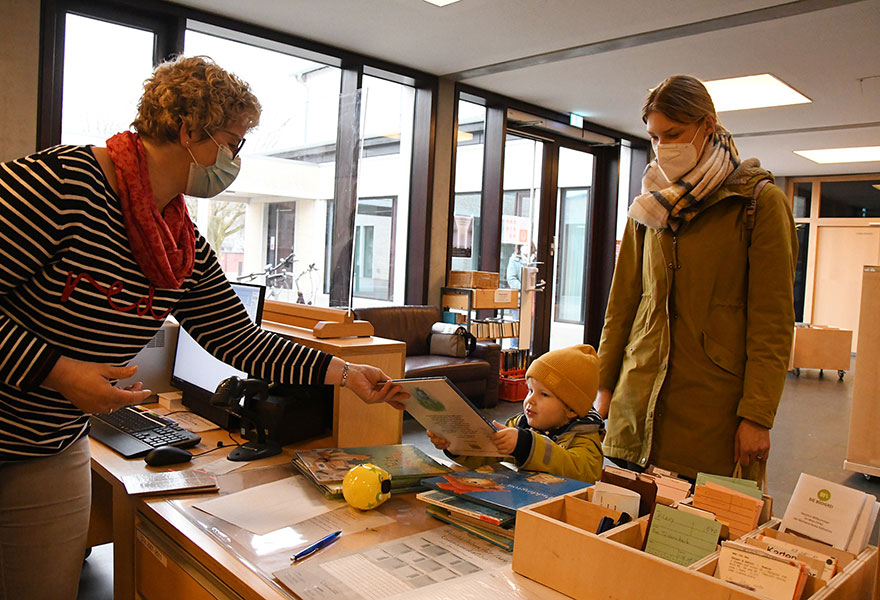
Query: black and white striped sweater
{"x": 69, "y": 285}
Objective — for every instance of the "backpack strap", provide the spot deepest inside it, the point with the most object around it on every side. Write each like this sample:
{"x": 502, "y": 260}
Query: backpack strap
{"x": 752, "y": 208}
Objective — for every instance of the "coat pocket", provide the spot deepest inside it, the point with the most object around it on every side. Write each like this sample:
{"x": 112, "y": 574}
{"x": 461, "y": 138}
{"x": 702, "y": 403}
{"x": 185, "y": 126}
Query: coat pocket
{"x": 722, "y": 356}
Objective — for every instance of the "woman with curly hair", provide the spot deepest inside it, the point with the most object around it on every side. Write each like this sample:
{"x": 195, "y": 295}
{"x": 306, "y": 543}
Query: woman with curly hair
{"x": 96, "y": 249}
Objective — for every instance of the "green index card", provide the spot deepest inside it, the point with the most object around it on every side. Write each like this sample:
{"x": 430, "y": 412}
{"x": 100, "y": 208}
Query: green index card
{"x": 681, "y": 537}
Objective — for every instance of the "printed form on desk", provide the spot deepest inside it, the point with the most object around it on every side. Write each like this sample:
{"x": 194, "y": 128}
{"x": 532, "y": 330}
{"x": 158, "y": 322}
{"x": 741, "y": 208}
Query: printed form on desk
{"x": 443, "y": 563}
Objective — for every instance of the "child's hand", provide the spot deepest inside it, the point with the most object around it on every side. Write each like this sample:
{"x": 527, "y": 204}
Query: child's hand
{"x": 505, "y": 438}
{"x": 439, "y": 442}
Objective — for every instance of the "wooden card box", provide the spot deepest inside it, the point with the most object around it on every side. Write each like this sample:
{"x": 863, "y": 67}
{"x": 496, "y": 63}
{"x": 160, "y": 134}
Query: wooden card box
{"x": 553, "y": 549}
{"x": 473, "y": 279}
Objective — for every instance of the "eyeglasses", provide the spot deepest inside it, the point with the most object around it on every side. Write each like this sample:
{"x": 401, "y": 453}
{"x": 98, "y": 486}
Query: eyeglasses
{"x": 238, "y": 146}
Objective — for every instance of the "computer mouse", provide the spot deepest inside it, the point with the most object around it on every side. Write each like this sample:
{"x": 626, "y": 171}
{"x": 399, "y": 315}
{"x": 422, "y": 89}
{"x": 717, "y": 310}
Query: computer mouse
{"x": 167, "y": 455}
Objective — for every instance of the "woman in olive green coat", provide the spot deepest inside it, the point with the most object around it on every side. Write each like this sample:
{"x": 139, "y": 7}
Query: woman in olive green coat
{"x": 698, "y": 329}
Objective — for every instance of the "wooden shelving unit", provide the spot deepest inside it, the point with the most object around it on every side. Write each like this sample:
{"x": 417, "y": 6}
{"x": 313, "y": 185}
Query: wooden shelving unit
{"x": 863, "y": 449}
{"x": 471, "y": 299}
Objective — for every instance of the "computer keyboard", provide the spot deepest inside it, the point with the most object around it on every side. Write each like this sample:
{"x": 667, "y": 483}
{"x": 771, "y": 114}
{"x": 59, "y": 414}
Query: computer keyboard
{"x": 134, "y": 430}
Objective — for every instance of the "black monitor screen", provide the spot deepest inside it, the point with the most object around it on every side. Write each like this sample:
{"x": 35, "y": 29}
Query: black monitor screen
{"x": 196, "y": 373}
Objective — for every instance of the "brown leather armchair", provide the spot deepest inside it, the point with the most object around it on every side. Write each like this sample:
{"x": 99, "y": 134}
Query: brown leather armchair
{"x": 476, "y": 376}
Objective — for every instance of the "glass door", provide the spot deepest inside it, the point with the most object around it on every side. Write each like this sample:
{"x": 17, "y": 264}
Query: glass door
{"x": 520, "y": 210}
{"x": 570, "y": 247}
{"x": 546, "y": 216}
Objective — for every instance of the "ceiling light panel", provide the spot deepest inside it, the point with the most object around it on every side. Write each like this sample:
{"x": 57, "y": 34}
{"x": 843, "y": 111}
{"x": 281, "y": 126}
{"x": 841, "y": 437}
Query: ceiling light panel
{"x": 753, "y": 91}
{"x": 441, "y": 2}
{"x": 826, "y": 156}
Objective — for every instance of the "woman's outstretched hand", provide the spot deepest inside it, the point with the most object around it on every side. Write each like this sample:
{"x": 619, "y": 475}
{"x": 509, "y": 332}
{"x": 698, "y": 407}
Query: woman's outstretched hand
{"x": 372, "y": 385}
{"x": 87, "y": 385}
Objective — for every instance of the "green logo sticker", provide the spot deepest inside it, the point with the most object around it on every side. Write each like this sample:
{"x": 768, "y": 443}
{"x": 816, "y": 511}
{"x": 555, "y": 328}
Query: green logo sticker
{"x": 824, "y": 495}
{"x": 425, "y": 399}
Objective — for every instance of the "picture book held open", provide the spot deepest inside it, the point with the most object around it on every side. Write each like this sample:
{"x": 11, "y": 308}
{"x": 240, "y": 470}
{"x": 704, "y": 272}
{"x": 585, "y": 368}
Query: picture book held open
{"x": 443, "y": 410}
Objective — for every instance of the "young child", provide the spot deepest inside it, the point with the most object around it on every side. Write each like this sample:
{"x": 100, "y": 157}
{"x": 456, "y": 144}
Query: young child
{"x": 558, "y": 431}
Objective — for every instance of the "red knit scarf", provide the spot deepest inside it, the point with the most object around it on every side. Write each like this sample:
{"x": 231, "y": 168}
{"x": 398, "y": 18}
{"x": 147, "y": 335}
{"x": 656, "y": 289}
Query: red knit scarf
{"x": 163, "y": 243}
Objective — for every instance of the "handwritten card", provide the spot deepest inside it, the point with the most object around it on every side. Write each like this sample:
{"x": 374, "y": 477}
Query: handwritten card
{"x": 681, "y": 537}
{"x": 739, "y": 511}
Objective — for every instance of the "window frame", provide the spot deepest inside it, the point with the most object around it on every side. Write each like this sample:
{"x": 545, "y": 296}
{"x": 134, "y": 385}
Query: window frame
{"x": 169, "y": 23}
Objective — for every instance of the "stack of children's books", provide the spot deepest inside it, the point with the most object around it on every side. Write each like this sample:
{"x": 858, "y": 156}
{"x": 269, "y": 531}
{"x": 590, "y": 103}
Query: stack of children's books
{"x": 484, "y": 501}
{"x": 406, "y": 464}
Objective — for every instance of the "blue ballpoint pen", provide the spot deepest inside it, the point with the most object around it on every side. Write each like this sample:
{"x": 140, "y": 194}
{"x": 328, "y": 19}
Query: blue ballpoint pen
{"x": 322, "y": 543}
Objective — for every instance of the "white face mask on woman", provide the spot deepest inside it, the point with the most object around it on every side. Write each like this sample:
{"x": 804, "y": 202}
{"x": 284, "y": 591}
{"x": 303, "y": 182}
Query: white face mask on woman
{"x": 207, "y": 182}
{"x": 676, "y": 160}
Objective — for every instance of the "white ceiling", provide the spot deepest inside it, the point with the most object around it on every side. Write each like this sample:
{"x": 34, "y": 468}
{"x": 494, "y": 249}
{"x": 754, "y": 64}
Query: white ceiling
{"x": 599, "y": 57}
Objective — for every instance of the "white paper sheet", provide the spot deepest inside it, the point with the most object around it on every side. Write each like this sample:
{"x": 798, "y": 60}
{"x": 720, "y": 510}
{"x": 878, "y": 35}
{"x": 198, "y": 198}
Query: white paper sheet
{"x": 271, "y": 506}
{"x": 430, "y": 560}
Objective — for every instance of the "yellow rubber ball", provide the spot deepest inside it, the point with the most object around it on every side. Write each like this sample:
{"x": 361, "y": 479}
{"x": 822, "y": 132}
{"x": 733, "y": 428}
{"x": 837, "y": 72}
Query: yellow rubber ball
{"x": 366, "y": 486}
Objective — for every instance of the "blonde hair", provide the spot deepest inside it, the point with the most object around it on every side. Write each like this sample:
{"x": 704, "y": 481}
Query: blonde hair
{"x": 196, "y": 93}
{"x": 681, "y": 98}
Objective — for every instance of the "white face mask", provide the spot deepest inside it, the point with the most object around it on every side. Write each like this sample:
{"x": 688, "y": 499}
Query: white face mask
{"x": 207, "y": 182}
{"x": 676, "y": 160}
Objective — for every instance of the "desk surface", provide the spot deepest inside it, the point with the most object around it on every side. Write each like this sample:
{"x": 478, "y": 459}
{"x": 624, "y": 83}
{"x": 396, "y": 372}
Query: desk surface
{"x": 113, "y": 510}
{"x": 245, "y": 561}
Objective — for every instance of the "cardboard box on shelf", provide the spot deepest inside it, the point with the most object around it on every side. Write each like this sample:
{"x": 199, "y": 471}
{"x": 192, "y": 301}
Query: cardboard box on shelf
{"x": 495, "y": 298}
{"x": 473, "y": 279}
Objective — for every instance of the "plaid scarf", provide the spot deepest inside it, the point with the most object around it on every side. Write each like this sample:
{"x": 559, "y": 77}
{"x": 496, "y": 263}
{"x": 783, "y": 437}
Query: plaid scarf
{"x": 662, "y": 204}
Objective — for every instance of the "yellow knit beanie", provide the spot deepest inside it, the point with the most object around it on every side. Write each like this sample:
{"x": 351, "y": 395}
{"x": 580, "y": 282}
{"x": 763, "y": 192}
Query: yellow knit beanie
{"x": 571, "y": 373}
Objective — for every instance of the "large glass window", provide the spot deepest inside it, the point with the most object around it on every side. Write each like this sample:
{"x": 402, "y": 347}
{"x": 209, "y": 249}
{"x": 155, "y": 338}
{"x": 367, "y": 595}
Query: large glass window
{"x": 624, "y": 196}
{"x": 387, "y": 110}
{"x": 270, "y": 225}
{"x": 800, "y": 272}
{"x": 93, "y": 109}
{"x": 850, "y": 198}
{"x": 803, "y": 194}
{"x": 374, "y": 255}
{"x": 468, "y": 186}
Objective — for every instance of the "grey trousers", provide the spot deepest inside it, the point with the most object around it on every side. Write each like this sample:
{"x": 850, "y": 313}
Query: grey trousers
{"x": 44, "y": 519}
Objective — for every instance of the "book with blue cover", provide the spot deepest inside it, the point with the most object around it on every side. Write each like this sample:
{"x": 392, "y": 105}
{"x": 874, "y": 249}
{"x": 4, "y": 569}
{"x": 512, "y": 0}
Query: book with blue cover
{"x": 503, "y": 488}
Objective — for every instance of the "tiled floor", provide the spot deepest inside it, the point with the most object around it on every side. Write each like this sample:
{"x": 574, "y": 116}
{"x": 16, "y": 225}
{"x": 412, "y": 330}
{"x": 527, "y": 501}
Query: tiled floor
{"x": 810, "y": 435}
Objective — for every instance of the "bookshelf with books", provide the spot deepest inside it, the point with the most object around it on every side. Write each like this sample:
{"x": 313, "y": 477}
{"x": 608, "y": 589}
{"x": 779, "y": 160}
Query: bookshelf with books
{"x": 461, "y": 305}
{"x": 465, "y": 301}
